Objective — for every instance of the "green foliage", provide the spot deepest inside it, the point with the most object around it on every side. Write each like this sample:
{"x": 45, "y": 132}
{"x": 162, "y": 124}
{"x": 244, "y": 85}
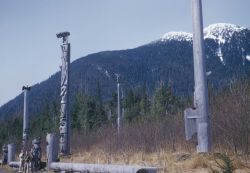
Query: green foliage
{"x": 8, "y": 133}
{"x": 100, "y": 114}
{"x": 88, "y": 113}
{"x": 164, "y": 102}
{"x": 136, "y": 104}
{"x": 144, "y": 102}
{"x": 132, "y": 106}
{"x": 224, "y": 164}
{"x": 111, "y": 109}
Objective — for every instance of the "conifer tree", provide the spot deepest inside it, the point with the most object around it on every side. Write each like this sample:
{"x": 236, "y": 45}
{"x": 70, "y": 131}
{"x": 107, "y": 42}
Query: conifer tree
{"x": 164, "y": 102}
{"x": 100, "y": 115}
{"x": 144, "y": 102}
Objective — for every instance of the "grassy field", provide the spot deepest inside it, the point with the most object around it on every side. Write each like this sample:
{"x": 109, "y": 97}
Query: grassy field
{"x": 169, "y": 162}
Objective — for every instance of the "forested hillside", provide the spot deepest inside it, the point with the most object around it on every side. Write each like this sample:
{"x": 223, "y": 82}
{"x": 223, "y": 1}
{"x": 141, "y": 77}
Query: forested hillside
{"x": 167, "y": 60}
{"x": 157, "y": 85}
{"x": 148, "y": 123}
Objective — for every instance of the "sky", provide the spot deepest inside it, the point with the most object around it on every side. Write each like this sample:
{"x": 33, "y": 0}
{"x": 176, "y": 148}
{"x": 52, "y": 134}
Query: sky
{"x": 30, "y": 52}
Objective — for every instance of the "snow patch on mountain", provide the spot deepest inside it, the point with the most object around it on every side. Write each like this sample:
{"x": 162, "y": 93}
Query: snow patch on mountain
{"x": 107, "y": 73}
{"x": 101, "y": 70}
{"x": 179, "y": 36}
{"x": 248, "y": 57}
{"x": 220, "y": 55}
{"x": 221, "y": 32}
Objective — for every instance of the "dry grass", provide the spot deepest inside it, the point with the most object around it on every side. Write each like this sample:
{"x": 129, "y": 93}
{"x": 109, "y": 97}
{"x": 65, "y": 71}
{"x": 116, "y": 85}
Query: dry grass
{"x": 169, "y": 162}
{"x": 154, "y": 142}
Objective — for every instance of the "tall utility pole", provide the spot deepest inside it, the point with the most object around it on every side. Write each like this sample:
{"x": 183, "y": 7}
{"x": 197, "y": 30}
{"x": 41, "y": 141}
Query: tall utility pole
{"x": 118, "y": 105}
{"x": 197, "y": 119}
{"x": 123, "y": 110}
{"x": 25, "y": 89}
{"x": 64, "y": 116}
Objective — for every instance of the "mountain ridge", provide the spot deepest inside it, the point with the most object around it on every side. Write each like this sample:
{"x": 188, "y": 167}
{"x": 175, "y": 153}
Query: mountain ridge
{"x": 157, "y": 61}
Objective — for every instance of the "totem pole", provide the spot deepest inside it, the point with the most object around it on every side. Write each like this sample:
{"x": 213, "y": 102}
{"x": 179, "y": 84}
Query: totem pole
{"x": 36, "y": 153}
{"x": 5, "y": 154}
{"x": 197, "y": 119}
{"x": 25, "y": 89}
{"x": 64, "y": 113}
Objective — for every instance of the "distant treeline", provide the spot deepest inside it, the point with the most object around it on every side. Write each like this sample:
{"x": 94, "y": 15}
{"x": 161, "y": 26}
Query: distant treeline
{"x": 89, "y": 113}
{"x": 148, "y": 124}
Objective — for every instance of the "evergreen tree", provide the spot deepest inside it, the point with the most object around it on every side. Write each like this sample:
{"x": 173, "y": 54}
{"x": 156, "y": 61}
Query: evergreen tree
{"x": 100, "y": 115}
{"x": 46, "y": 120}
{"x": 112, "y": 109}
{"x": 75, "y": 119}
{"x": 132, "y": 106}
{"x": 144, "y": 102}
{"x": 164, "y": 102}
{"x": 55, "y": 111}
{"x": 82, "y": 113}
{"x": 88, "y": 112}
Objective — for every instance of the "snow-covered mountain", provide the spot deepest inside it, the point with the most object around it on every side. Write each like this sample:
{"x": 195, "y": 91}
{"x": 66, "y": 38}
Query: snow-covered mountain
{"x": 168, "y": 59}
{"x": 220, "y": 34}
{"x": 178, "y": 36}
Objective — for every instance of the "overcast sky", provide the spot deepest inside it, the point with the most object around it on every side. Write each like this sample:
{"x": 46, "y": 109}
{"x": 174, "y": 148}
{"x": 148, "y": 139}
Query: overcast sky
{"x": 30, "y": 51}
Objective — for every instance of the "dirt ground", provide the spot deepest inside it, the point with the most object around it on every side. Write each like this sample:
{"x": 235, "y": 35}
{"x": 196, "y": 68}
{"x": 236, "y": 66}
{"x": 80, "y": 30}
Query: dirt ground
{"x": 4, "y": 170}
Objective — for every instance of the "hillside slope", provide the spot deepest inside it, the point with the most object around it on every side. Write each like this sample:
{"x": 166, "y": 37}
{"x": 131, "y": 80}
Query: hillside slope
{"x": 168, "y": 59}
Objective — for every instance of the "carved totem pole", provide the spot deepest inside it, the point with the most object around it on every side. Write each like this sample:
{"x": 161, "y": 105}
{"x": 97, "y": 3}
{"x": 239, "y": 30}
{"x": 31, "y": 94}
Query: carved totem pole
{"x": 25, "y": 89}
{"x": 64, "y": 116}
{"x": 4, "y": 154}
{"x": 36, "y": 153}
{"x": 197, "y": 119}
